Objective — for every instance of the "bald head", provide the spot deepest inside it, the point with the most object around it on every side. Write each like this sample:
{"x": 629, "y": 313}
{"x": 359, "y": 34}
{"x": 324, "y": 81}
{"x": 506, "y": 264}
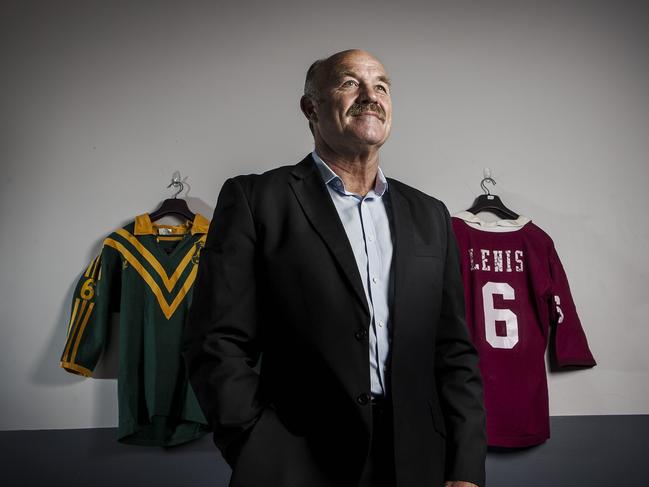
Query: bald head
{"x": 321, "y": 69}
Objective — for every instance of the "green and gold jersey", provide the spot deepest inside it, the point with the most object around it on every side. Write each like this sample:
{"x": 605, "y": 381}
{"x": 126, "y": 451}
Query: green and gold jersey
{"x": 145, "y": 272}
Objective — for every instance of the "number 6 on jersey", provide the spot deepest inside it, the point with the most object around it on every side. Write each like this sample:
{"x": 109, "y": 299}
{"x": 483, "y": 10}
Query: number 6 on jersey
{"x": 492, "y": 315}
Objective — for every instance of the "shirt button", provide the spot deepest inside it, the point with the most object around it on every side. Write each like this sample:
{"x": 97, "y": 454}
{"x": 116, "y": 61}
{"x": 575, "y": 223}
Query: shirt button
{"x": 375, "y": 280}
{"x": 363, "y": 399}
{"x": 370, "y": 238}
{"x": 380, "y": 323}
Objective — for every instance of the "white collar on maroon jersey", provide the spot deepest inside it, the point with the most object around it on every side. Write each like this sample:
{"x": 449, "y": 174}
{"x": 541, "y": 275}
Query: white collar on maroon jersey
{"x": 476, "y": 222}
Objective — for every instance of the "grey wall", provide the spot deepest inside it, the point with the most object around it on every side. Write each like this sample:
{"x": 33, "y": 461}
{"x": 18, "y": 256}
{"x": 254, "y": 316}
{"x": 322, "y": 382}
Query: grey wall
{"x": 101, "y": 101}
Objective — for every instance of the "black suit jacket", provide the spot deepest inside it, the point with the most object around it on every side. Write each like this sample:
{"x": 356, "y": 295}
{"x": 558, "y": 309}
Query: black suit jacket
{"x": 277, "y": 279}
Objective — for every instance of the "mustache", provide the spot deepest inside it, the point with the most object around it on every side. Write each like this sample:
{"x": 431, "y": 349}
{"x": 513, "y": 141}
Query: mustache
{"x": 360, "y": 108}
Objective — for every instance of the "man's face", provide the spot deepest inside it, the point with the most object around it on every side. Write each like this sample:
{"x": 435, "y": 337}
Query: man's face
{"x": 354, "y": 109}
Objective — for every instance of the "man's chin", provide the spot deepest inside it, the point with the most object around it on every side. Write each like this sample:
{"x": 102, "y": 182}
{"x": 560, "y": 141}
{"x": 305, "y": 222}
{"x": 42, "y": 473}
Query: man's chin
{"x": 369, "y": 129}
{"x": 370, "y": 137}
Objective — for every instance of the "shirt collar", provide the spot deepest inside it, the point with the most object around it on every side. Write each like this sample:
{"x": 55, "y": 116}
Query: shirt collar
{"x": 332, "y": 179}
{"x": 493, "y": 226}
{"x": 144, "y": 225}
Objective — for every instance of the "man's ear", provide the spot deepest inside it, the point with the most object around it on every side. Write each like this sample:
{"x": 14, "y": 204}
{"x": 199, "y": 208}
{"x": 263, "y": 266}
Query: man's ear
{"x": 308, "y": 108}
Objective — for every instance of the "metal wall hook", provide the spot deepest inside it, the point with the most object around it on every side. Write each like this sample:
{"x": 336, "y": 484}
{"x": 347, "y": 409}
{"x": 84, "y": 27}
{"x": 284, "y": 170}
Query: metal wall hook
{"x": 484, "y": 187}
{"x": 176, "y": 182}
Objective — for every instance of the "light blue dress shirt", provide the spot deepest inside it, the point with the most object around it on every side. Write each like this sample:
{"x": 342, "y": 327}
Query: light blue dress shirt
{"x": 367, "y": 225}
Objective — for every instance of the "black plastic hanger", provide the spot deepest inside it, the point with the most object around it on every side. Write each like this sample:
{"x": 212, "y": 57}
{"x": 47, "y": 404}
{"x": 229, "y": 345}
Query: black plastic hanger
{"x": 491, "y": 203}
{"x": 173, "y": 205}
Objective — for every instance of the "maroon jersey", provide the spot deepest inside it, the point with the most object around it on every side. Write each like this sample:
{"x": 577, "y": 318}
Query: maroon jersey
{"x": 516, "y": 290}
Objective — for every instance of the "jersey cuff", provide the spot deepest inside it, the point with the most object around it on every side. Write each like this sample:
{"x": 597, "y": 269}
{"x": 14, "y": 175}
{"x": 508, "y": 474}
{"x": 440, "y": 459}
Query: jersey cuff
{"x": 76, "y": 369}
{"x": 577, "y": 363}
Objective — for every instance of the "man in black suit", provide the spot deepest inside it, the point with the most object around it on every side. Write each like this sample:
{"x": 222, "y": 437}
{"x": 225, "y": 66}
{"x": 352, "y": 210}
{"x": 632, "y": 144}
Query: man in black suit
{"x": 326, "y": 341}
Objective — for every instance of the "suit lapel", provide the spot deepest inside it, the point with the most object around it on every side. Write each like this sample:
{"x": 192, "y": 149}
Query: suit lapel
{"x": 402, "y": 251}
{"x": 320, "y": 210}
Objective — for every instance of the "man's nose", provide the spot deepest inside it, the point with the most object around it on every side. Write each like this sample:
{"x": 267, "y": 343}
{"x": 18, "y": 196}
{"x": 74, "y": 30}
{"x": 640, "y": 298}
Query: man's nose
{"x": 366, "y": 93}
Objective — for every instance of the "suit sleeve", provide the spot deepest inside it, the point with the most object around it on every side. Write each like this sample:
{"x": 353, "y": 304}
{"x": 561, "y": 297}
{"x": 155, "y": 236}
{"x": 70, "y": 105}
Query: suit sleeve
{"x": 221, "y": 345}
{"x": 95, "y": 296}
{"x": 571, "y": 347}
{"x": 458, "y": 377}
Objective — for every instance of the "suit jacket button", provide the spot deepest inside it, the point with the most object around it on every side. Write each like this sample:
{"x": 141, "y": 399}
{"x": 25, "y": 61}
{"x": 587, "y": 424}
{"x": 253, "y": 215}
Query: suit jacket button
{"x": 363, "y": 399}
{"x": 361, "y": 334}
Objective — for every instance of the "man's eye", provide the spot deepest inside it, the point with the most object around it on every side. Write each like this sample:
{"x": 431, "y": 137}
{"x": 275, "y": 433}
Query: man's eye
{"x": 350, "y": 82}
{"x": 382, "y": 88}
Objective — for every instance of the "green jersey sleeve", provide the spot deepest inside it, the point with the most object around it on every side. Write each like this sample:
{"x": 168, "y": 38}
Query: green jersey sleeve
{"x": 95, "y": 297}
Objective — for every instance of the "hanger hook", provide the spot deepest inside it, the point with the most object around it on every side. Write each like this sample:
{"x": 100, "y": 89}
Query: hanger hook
{"x": 484, "y": 187}
{"x": 176, "y": 182}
